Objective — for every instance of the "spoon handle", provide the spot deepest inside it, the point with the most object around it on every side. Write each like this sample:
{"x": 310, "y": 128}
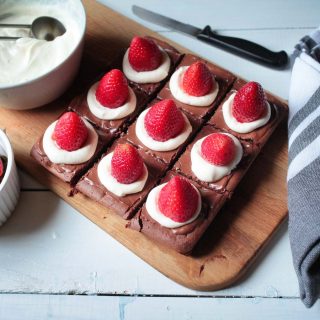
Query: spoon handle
{"x": 9, "y": 38}
{"x": 6, "y": 25}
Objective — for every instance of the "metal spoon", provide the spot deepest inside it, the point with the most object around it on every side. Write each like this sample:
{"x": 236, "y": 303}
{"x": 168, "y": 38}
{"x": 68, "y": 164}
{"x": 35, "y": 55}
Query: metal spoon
{"x": 42, "y": 28}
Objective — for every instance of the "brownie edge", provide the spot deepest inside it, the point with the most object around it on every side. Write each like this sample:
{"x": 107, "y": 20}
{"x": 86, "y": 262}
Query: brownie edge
{"x": 182, "y": 239}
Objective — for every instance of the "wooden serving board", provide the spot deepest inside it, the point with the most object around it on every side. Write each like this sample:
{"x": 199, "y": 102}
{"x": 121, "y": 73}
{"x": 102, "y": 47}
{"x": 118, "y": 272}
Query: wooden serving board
{"x": 242, "y": 228}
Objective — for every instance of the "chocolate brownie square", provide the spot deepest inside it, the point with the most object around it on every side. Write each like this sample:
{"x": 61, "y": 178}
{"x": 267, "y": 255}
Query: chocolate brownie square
{"x": 110, "y": 128}
{"x": 227, "y": 183}
{"x": 182, "y": 239}
{"x": 260, "y": 135}
{"x": 166, "y": 157}
{"x": 91, "y": 186}
{"x": 69, "y": 173}
{"x": 223, "y": 77}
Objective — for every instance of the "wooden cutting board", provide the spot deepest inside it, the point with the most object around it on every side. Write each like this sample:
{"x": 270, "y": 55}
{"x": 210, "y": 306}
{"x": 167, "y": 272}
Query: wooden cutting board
{"x": 242, "y": 228}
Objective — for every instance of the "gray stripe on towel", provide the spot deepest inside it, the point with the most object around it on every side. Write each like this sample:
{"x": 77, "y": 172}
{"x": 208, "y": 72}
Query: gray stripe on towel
{"x": 304, "y": 139}
{"x": 304, "y": 112}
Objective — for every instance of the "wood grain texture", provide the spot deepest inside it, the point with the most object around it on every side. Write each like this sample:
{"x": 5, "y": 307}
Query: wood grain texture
{"x": 242, "y": 228}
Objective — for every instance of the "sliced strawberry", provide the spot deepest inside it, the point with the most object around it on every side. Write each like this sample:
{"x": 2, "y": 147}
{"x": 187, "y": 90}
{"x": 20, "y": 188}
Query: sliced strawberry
{"x": 70, "y": 132}
{"x": 178, "y": 200}
{"x": 126, "y": 164}
{"x": 164, "y": 120}
{"x": 249, "y": 103}
{"x": 144, "y": 54}
{"x": 197, "y": 80}
{"x": 113, "y": 91}
{"x": 1, "y": 169}
{"x": 218, "y": 149}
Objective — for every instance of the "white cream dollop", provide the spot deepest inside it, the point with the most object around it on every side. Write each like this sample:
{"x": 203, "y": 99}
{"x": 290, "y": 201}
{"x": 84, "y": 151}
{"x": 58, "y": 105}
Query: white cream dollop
{"x": 147, "y": 76}
{"x": 242, "y": 127}
{"x": 155, "y": 213}
{"x": 207, "y": 171}
{"x": 113, "y": 185}
{"x": 29, "y": 58}
{"x": 58, "y": 155}
{"x": 168, "y": 145}
{"x": 175, "y": 85}
{"x": 105, "y": 113}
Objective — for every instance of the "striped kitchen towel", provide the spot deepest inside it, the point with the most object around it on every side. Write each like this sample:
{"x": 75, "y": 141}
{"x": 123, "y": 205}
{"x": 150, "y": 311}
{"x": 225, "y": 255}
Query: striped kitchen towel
{"x": 304, "y": 166}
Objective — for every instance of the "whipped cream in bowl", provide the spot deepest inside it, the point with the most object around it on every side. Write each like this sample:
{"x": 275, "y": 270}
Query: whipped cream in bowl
{"x": 34, "y": 72}
{"x": 242, "y": 127}
{"x": 152, "y": 76}
{"x": 175, "y": 85}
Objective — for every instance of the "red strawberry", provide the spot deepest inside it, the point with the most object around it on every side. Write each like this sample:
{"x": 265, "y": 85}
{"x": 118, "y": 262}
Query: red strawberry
{"x": 126, "y": 164}
{"x": 219, "y": 149}
{"x": 70, "y": 132}
{"x": 1, "y": 169}
{"x": 144, "y": 54}
{"x": 197, "y": 80}
{"x": 164, "y": 120}
{"x": 112, "y": 91}
{"x": 178, "y": 200}
{"x": 249, "y": 103}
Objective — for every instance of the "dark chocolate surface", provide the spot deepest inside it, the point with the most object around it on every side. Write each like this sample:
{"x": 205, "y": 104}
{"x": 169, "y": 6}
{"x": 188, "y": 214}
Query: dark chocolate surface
{"x": 111, "y": 128}
{"x": 182, "y": 239}
{"x": 91, "y": 186}
{"x": 175, "y": 57}
{"x": 260, "y": 135}
{"x": 227, "y": 183}
{"x": 223, "y": 77}
{"x": 166, "y": 157}
{"x": 69, "y": 173}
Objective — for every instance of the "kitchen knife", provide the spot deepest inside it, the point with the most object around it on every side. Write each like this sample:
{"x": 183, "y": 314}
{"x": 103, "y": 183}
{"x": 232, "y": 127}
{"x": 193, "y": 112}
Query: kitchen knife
{"x": 242, "y": 47}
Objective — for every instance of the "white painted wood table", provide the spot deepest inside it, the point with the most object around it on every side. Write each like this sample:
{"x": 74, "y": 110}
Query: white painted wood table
{"x": 55, "y": 264}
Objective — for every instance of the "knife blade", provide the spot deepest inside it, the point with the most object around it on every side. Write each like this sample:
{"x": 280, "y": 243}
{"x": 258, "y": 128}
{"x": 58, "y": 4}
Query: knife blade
{"x": 241, "y": 47}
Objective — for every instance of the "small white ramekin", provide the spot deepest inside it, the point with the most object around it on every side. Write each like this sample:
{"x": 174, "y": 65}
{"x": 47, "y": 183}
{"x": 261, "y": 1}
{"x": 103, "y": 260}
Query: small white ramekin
{"x": 10, "y": 185}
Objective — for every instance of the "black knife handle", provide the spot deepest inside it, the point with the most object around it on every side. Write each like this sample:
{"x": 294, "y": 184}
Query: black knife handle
{"x": 244, "y": 48}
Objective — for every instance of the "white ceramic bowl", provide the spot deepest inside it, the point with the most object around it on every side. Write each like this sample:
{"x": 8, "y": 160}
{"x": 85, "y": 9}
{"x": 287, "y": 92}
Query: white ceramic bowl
{"x": 10, "y": 185}
{"x": 46, "y": 88}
